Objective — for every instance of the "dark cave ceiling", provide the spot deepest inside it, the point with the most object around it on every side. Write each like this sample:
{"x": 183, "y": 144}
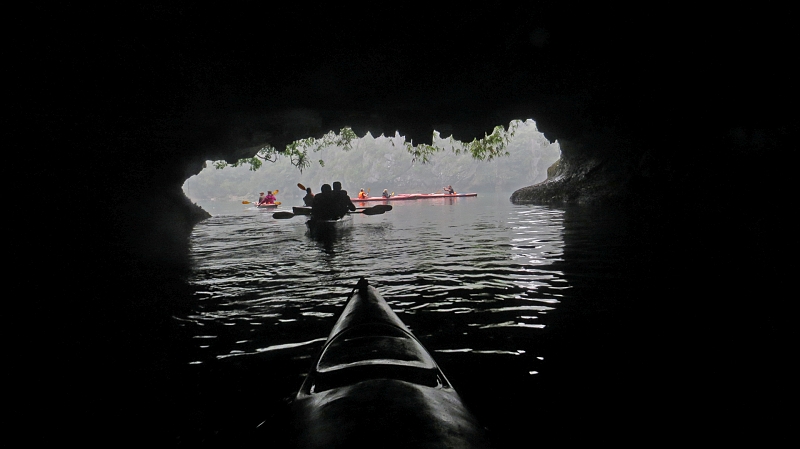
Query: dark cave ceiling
{"x": 141, "y": 95}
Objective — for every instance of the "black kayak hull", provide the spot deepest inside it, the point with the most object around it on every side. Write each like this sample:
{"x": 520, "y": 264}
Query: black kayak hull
{"x": 328, "y": 229}
{"x": 375, "y": 384}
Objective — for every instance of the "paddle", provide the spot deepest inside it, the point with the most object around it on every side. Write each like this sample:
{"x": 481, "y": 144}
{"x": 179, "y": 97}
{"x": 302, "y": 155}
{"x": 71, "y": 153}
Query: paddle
{"x": 301, "y": 186}
{"x": 307, "y": 210}
{"x": 371, "y": 211}
{"x": 277, "y": 203}
{"x": 374, "y": 210}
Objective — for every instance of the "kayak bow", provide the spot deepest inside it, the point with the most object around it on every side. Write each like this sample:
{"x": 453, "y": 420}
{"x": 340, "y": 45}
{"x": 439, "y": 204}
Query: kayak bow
{"x": 374, "y": 384}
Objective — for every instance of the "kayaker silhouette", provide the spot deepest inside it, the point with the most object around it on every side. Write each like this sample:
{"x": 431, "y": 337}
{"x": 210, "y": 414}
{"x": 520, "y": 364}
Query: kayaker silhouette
{"x": 308, "y": 200}
{"x": 449, "y": 190}
{"x": 343, "y": 201}
{"x": 324, "y": 207}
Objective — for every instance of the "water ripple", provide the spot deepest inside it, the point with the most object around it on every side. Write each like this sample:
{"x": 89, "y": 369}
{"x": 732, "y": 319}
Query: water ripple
{"x": 264, "y": 286}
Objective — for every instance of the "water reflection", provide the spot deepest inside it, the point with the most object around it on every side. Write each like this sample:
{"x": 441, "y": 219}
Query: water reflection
{"x": 486, "y": 260}
{"x": 474, "y": 279}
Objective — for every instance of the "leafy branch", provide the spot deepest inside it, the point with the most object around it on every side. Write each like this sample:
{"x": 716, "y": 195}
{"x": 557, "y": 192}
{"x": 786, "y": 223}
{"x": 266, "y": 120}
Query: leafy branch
{"x": 489, "y": 147}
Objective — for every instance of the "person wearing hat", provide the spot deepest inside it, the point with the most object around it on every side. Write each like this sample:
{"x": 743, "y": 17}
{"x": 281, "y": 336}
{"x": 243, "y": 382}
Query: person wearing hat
{"x": 261, "y": 199}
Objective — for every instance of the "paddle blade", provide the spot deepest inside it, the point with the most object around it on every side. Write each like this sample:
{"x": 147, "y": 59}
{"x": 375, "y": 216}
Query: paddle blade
{"x": 383, "y": 207}
{"x": 275, "y": 192}
{"x": 373, "y": 211}
{"x": 301, "y": 186}
{"x": 301, "y": 210}
{"x": 278, "y": 203}
{"x": 282, "y": 215}
{"x": 245, "y": 202}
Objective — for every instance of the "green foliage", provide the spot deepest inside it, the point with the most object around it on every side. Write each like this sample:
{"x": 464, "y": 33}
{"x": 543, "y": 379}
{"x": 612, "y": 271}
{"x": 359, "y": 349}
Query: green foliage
{"x": 502, "y": 161}
{"x": 491, "y": 146}
{"x": 297, "y": 151}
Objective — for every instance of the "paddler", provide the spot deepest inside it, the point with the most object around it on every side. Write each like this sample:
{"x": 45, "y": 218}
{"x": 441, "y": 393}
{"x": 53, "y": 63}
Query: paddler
{"x": 324, "y": 207}
{"x": 308, "y": 200}
{"x": 343, "y": 201}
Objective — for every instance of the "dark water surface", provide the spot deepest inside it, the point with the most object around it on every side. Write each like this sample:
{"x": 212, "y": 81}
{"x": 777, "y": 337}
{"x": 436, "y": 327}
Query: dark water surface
{"x": 556, "y": 325}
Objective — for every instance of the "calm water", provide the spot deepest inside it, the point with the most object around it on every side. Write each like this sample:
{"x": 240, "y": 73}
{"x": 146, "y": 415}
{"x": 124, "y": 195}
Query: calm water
{"x": 537, "y": 315}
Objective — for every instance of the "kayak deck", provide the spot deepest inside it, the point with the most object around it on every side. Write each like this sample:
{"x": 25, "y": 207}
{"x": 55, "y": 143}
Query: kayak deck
{"x": 369, "y": 341}
{"x": 374, "y": 382}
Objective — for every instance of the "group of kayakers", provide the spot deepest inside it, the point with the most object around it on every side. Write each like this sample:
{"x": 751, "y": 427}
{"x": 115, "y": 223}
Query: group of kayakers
{"x": 269, "y": 198}
{"x": 332, "y": 201}
{"x": 364, "y": 195}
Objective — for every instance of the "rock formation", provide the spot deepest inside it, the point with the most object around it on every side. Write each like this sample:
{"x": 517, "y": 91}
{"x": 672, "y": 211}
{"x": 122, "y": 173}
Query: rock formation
{"x": 113, "y": 108}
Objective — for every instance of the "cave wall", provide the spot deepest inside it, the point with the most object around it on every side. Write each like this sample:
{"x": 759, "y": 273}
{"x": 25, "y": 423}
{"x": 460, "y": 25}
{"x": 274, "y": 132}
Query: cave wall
{"x": 114, "y": 113}
{"x": 112, "y": 108}
{"x": 146, "y": 94}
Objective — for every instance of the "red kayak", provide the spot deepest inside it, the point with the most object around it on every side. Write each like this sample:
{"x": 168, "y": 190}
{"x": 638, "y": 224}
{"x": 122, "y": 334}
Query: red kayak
{"x": 413, "y": 196}
{"x": 391, "y": 198}
{"x": 443, "y": 195}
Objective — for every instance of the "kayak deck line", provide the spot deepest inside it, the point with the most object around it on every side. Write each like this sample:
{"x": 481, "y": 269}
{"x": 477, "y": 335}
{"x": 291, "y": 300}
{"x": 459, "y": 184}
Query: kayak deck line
{"x": 414, "y": 196}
